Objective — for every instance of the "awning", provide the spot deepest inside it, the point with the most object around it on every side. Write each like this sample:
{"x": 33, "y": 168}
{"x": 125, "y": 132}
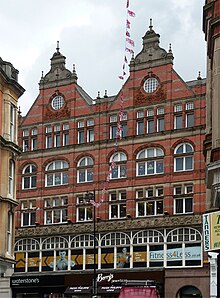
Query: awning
{"x": 136, "y": 292}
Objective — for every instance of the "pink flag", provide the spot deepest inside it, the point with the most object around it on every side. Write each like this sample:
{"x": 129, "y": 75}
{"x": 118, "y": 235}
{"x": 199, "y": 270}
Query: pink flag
{"x": 127, "y": 4}
{"x": 121, "y": 77}
{"x": 130, "y": 41}
{"x": 128, "y": 24}
{"x": 124, "y": 73}
{"x": 123, "y": 66}
{"x": 126, "y": 60}
{"x": 127, "y": 34}
{"x": 131, "y": 13}
{"x": 129, "y": 50}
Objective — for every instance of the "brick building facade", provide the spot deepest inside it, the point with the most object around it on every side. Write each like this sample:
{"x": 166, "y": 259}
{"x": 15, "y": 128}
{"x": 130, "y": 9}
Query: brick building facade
{"x": 149, "y": 224}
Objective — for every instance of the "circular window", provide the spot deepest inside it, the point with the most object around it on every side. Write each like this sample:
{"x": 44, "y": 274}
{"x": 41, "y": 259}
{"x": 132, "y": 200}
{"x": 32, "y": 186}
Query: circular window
{"x": 150, "y": 85}
{"x": 57, "y": 102}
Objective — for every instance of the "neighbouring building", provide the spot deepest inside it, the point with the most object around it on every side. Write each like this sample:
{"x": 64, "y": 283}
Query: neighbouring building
{"x": 148, "y": 225}
{"x": 10, "y": 91}
{"x": 211, "y": 28}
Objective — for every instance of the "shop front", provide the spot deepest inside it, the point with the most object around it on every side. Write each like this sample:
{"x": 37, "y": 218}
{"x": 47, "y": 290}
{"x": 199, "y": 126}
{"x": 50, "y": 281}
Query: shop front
{"x": 109, "y": 284}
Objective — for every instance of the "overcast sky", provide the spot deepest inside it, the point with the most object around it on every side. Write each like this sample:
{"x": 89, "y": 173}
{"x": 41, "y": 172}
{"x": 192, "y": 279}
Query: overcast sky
{"x": 92, "y": 36}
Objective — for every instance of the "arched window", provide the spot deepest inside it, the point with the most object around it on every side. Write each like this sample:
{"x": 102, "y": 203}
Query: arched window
{"x": 184, "y": 247}
{"x": 55, "y": 254}
{"x": 85, "y": 170}
{"x": 27, "y": 255}
{"x": 56, "y": 173}
{"x": 189, "y": 291}
{"x": 29, "y": 177}
{"x": 183, "y": 158}
{"x": 118, "y": 165}
{"x": 118, "y": 247}
{"x": 150, "y": 162}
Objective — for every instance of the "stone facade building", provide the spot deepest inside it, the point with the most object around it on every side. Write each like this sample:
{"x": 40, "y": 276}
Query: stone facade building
{"x": 148, "y": 222}
{"x": 10, "y": 91}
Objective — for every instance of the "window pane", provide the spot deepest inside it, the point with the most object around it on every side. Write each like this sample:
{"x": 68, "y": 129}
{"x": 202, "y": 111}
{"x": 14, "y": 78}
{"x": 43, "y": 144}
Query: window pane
{"x": 124, "y": 130}
{"x": 122, "y": 210}
{"x": 150, "y": 126}
{"x": 141, "y": 209}
{"x": 33, "y": 218}
{"x": 82, "y": 175}
{"x": 160, "y": 122}
{"x": 141, "y": 169}
{"x": 179, "y": 164}
{"x": 114, "y": 211}
{"x": 33, "y": 181}
{"x": 115, "y": 173}
{"x": 140, "y": 128}
{"x": 57, "y": 178}
{"x": 123, "y": 171}
{"x": 81, "y": 137}
{"x": 189, "y": 120}
{"x": 65, "y": 178}
{"x": 189, "y": 162}
{"x": 25, "y": 219}
{"x": 188, "y": 206}
{"x": 179, "y": 206}
{"x": 159, "y": 166}
{"x": 90, "y": 175}
{"x": 159, "y": 207}
{"x": 150, "y": 208}
{"x": 150, "y": 167}
{"x": 178, "y": 122}
{"x": 26, "y": 182}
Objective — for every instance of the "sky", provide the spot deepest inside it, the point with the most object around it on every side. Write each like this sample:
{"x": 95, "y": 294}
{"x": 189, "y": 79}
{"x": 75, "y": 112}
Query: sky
{"x": 91, "y": 34}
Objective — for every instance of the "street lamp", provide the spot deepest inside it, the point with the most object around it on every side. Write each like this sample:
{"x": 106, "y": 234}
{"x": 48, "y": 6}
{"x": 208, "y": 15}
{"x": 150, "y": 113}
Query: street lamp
{"x": 91, "y": 196}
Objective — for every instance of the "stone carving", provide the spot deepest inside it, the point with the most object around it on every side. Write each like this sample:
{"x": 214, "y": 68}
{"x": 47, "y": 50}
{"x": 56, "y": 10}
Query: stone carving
{"x": 132, "y": 224}
{"x": 141, "y": 97}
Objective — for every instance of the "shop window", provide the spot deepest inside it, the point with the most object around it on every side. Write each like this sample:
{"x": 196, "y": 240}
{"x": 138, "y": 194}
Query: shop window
{"x": 27, "y": 255}
{"x": 149, "y": 162}
{"x": 85, "y": 170}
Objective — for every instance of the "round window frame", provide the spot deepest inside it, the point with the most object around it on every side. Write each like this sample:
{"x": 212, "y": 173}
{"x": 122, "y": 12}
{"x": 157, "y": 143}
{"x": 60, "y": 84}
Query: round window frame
{"x": 59, "y": 106}
{"x": 151, "y": 89}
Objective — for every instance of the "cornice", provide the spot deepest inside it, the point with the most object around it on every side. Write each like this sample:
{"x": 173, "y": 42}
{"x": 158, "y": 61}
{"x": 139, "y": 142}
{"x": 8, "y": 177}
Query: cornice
{"x": 109, "y": 226}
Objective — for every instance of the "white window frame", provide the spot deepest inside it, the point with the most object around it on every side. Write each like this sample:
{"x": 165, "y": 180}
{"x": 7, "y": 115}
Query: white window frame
{"x": 184, "y": 155}
{"x": 120, "y": 161}
{"x": 86, "y": 168}
{"x": 62, "y": 170}
{"x": 30, "y": 175}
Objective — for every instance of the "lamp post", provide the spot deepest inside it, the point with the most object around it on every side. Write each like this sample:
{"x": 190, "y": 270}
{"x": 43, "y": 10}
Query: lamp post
{"x": 91, "y": 196}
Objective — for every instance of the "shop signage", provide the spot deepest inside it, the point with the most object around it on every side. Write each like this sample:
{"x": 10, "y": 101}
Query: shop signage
{"x": 109, "y": 289}
{"x": 174, "y": 254}
{"x": 36, "y": 281}
{"x": 101, "y": 277}
{"x": 211, "y": 231}
{"x": 78, "y": 290}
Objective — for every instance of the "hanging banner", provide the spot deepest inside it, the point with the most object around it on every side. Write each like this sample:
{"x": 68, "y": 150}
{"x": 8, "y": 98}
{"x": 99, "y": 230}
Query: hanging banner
{"x": 211, "y": 231}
